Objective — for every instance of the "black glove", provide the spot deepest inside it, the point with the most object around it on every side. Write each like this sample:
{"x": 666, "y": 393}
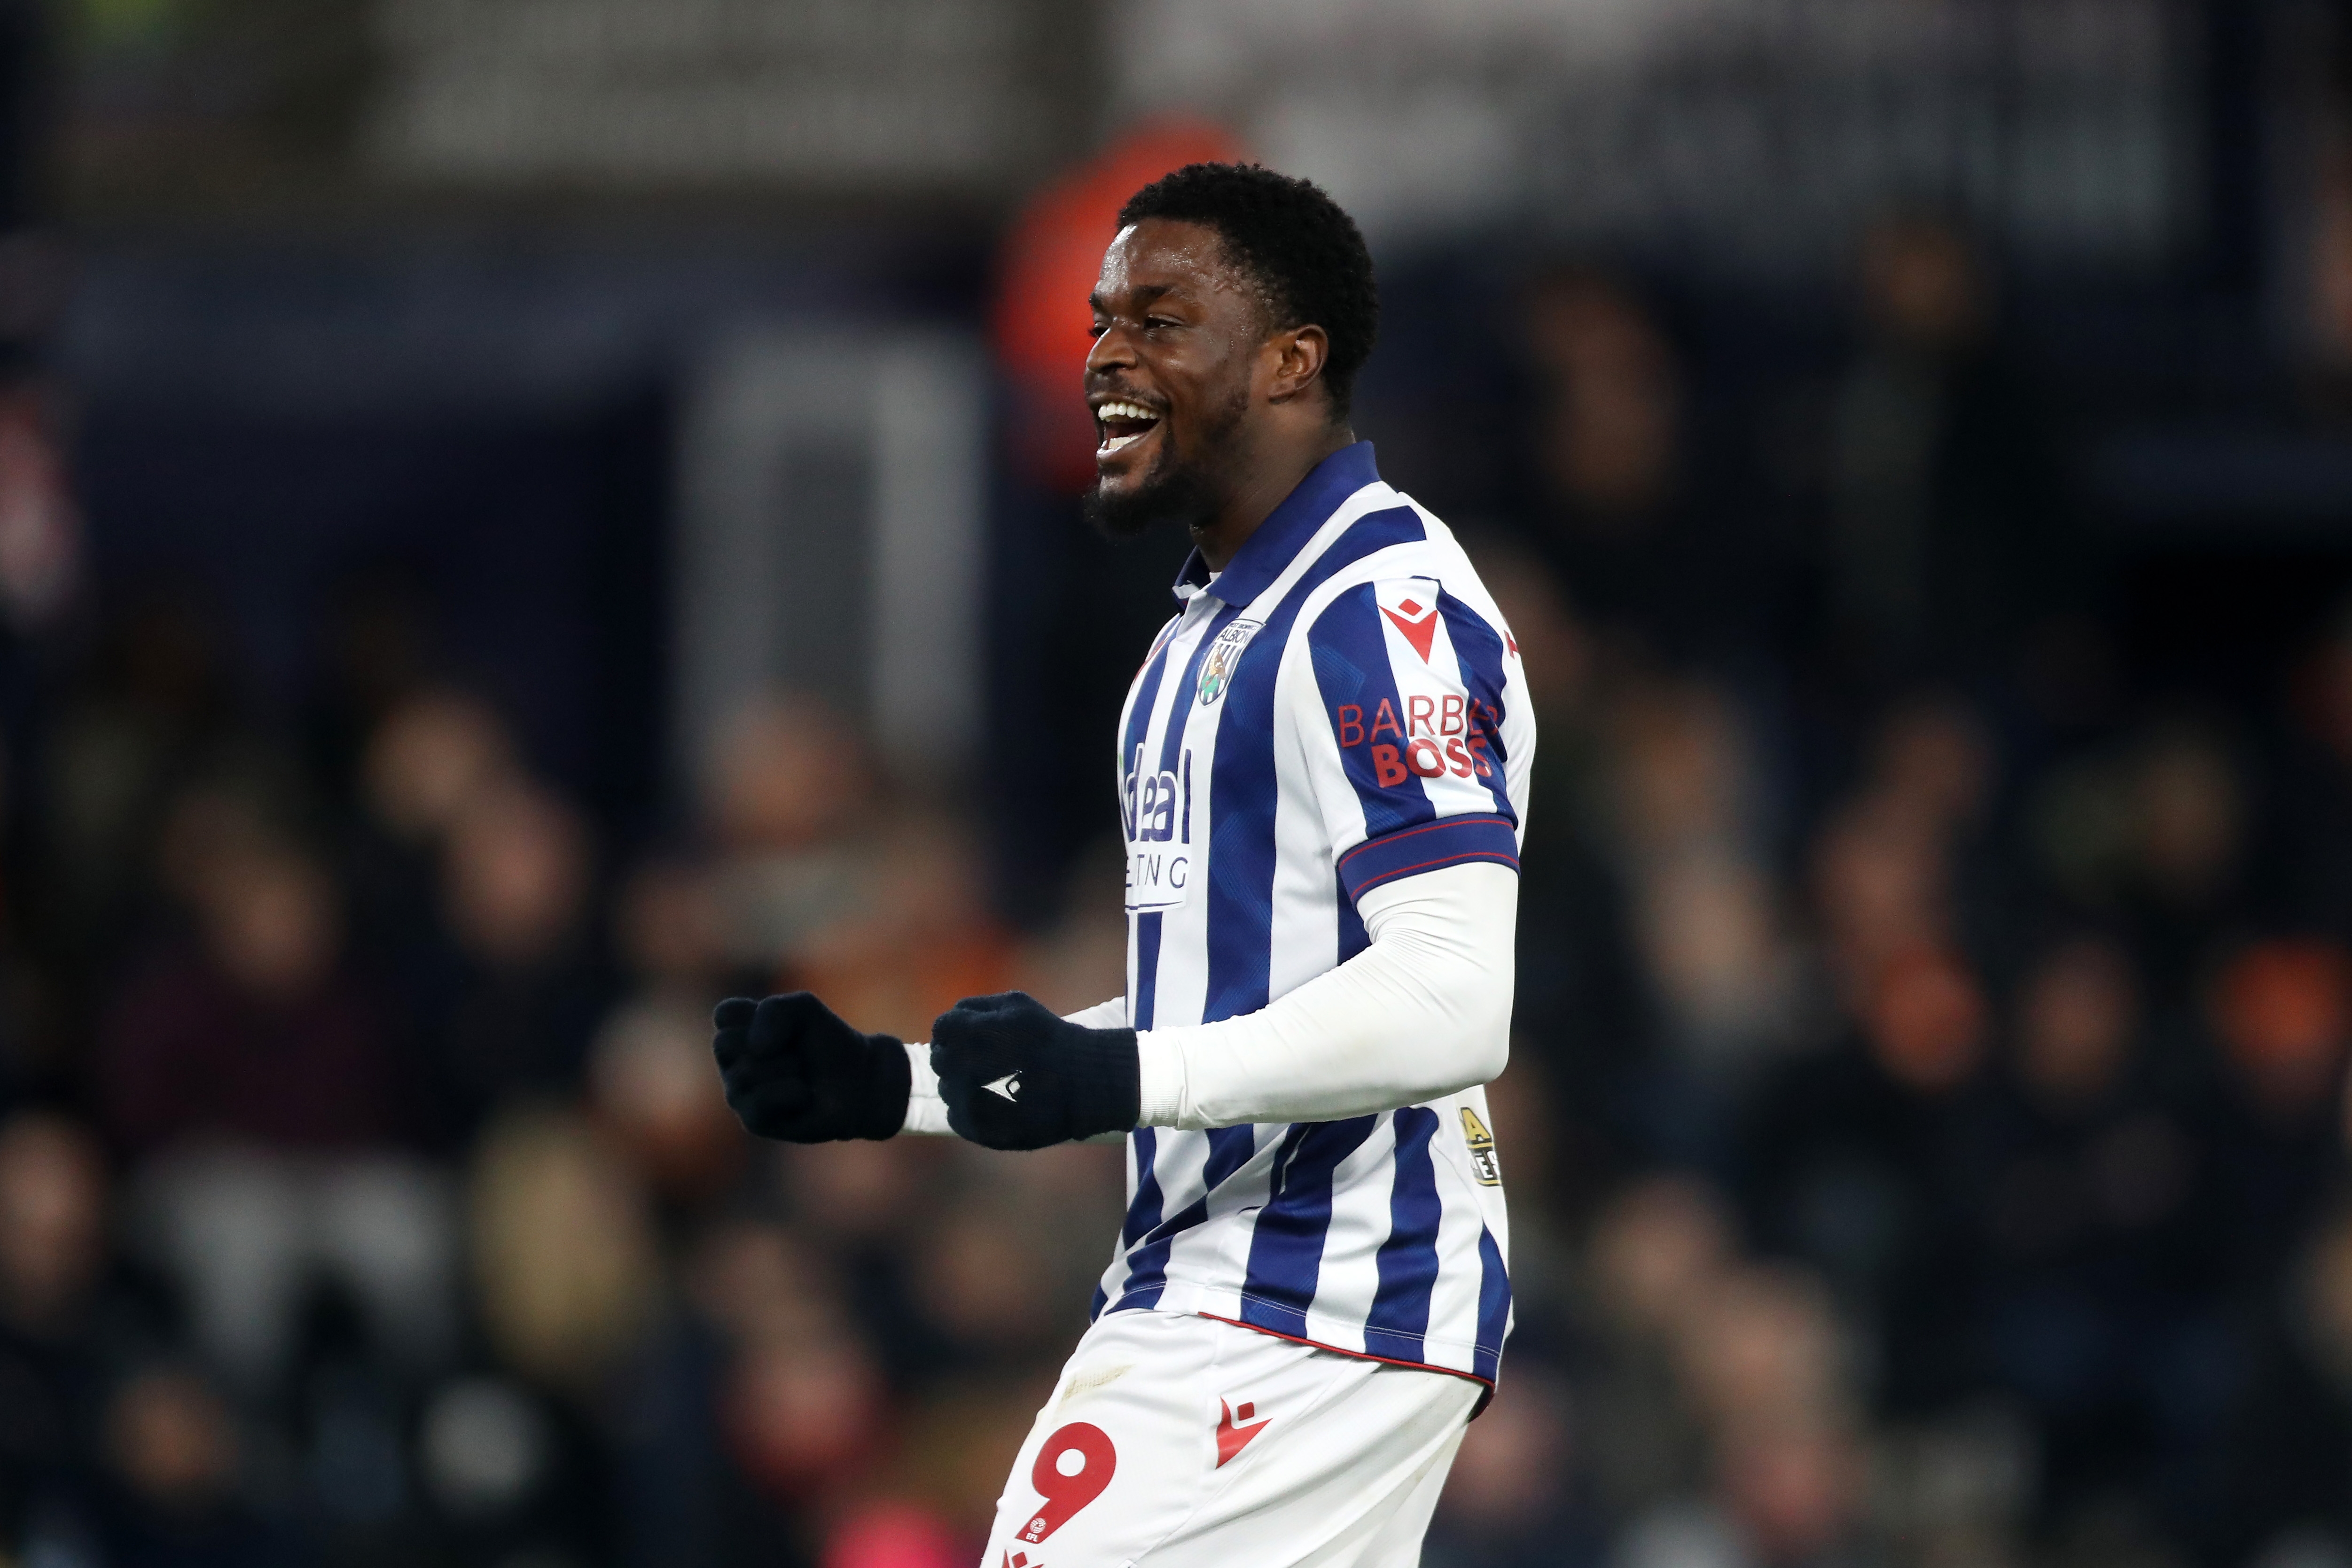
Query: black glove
{"x": 794, "y": 1071}
{"x": 1015, "y": 1076}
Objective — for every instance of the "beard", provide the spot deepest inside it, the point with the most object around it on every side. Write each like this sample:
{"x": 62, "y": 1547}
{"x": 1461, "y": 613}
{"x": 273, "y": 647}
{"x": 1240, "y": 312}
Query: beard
{"x": 1179, "y": 490}
{"x": 1172, "y": 492}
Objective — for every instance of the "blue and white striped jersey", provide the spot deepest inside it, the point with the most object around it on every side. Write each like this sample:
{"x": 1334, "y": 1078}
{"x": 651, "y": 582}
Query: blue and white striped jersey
{"x": 1340, "y": 707}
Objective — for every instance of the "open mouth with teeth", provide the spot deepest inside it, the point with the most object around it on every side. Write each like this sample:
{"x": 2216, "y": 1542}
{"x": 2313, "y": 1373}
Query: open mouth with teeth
{"x": 1122, "y": 424}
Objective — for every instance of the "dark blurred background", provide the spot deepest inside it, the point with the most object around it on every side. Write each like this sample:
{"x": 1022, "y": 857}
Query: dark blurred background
{"x": 521, "y": 518}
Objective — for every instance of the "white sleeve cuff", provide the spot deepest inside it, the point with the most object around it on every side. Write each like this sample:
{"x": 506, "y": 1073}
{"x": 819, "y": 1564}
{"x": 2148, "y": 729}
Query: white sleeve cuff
{"x": 1160, "y": 1080}
{"x": 1111, "y": 1014}
{"x": 927, "y": 1112}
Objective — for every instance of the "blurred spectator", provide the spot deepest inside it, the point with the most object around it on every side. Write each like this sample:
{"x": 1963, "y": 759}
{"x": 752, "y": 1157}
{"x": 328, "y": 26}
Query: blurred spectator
{"x": 756, "y": 1398}
{"x": 1797, "y": 1494}
{"x": 53, "y": 1224}
{"x": 1908, "y": 861}
{"x": 1882, "y": 886}
{"x": 2290, "y": 1441}
{"x": 565, "y": 1260}
{"x": 1925, "y": 1021}
{"x": 493, "y": 1458}
{"x": 2189, "y": 811}
{"x": 428, "y": 758}
{"x": 803, "y": 1416}
{"x": 40, "y": 523}
{"x": 2080, "y": 1014}
{"x": 1686, "y": 809}
{"x": 962, "y": 1287}
{"x": 255, "y": 1074}
{"x": 2327, "y": 273}
{"x": 178, "y": 1463}
{"x": 1711, "y": 931}
{"x": 1954, "y": 1490}
{"x": 1083, "y": 953}
{"x": 922, "y": 939}
{"x": 1743, "y": 1371}
{"x": 1858, "y": 1162}
{"x": 522, "y": 985}
{"x": 2282, "y": 1009}
{"x": 1949, "y": 539}
{"x": 2156, "y": 834}
{"x": 1509, "y": 1502}
{"x": 52, "y": 1259}
{"x": 2282, "y": 1012}
{"x": 1935, "y": 769}
{"x": 148, "y": 708}
{"x": 973, "y": 1266}
{"x": 2096, "y": 1253}
{"x": 654, "y": 1090}
{"x": 1760, "y": 1355}
{"x": 666, "y": 932}
{"x": 258, "y": 1030}
{"x": 1935, "y": 758}
{"x": 1643, "y": 549}
{"x": 1657, "y": 1253}
{"x": 377, "y": 657}
{"x": 785, "y": 793}
{"x": 1612, "y": 418}
{"x": 1683, "y": 773}
{"x": 867, "y": 1205}
{"x": 250, "y": 1233}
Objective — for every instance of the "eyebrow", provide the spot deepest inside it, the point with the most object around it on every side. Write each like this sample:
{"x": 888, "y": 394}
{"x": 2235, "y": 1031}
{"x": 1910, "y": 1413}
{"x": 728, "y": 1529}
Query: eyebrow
{"x": 1144, "y": 294}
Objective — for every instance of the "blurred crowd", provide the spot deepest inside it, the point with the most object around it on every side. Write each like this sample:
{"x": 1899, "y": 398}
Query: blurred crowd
{"x": 366, "y": 1194}
{"x": 1926, "y": 1121}
{"x": 1925, "y": 1130}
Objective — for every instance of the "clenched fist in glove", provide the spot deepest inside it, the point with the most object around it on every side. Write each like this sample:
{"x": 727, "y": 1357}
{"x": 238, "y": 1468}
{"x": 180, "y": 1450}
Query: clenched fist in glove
{"x": 794, "y": 1071}
{"x": 1015, "y": 1076}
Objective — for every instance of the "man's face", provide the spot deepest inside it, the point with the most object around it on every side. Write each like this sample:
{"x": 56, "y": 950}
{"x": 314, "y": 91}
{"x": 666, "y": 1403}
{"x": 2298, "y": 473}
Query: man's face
{"x": 1177, "y": 333}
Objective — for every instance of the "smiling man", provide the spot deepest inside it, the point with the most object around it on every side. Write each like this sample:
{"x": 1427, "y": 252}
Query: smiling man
{"x": 1322, "y": 771}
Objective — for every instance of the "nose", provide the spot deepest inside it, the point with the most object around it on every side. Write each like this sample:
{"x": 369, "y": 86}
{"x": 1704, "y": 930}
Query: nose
{"x": 1114, "y": 350}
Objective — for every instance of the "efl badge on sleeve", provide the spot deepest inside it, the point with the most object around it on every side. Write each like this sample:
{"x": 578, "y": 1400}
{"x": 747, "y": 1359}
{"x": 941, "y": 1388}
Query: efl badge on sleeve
{"x": 1225, "y": 658}
{"x": 1482, "y": 1148}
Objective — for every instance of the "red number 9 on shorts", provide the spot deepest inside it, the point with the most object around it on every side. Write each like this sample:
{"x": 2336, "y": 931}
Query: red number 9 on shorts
{"x": 1071, "y": 1470}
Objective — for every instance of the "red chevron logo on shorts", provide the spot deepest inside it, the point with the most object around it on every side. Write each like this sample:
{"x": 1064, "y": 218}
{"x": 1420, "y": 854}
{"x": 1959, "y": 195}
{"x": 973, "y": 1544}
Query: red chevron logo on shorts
{"x": 1233, "y": 1440}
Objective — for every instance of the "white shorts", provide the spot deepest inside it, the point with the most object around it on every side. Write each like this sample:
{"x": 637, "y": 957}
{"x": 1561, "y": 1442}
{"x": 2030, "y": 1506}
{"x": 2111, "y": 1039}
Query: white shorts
{"x": 1185, "y": 1442}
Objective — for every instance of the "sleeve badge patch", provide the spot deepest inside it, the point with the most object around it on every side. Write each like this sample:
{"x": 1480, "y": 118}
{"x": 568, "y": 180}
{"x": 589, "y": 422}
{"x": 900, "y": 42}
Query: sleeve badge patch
{"x": 1482, "y": 1148}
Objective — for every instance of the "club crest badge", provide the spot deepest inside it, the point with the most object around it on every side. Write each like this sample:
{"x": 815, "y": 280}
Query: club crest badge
{"x": 1225, "y": 658}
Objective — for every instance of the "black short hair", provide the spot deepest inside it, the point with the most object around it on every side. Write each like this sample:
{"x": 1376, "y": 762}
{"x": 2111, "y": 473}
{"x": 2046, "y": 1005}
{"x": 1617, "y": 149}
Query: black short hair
{"x": 1304, "y": 250}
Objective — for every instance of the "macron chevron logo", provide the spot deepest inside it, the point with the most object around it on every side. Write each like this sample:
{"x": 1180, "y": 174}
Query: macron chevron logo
{"x": 1414, "y": 614}
{"x": 1231, "y": 1439}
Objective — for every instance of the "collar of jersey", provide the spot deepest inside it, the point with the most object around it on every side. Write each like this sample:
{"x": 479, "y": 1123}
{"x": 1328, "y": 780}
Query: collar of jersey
{"x": 1285, "y": 530}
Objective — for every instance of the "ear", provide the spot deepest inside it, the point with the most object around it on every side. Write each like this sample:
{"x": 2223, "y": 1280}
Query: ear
{"x": 1296, "y": 357}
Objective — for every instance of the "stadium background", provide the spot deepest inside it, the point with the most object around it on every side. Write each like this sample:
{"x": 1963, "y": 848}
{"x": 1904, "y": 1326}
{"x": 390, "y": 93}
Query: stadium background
{"x": 519, "y": 518}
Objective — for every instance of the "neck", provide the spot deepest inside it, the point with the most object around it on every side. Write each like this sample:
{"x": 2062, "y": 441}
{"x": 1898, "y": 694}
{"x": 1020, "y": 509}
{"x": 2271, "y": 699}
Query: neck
{"x": 1260, "y": 487}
